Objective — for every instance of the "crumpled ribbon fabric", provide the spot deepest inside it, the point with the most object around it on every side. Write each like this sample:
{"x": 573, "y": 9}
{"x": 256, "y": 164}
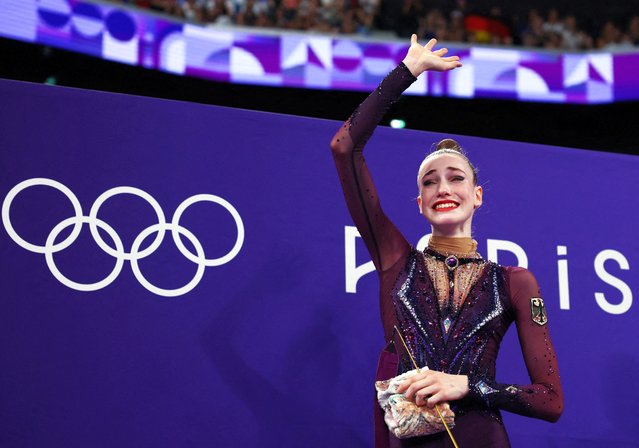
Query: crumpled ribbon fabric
{"x": 404, "y": 418}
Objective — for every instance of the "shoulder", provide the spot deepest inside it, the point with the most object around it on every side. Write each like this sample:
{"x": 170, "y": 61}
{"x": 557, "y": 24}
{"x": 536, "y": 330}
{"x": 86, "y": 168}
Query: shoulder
{"x": 521, "y": 285}
{"x": 518, "y": 275}
{"x": 511, "y": 274}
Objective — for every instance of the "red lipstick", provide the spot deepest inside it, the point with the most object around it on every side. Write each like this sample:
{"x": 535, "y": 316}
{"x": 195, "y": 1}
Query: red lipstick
{"x": 445, "y": 206}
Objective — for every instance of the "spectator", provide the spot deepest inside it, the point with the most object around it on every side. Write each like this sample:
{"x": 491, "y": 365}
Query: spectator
{"x": 432, "y": 26}
{"x": 611, "y": 37}
{"x": 309, "y": 14}
{"x": 456, "y": 30}
{"x": 408, "y": 21}
{"x": 553, "y": 25}
{"x": 533, "y": 33}
{"x": 573, "y": 37}
{"x": 192, "y": 10}
{"x": 247, "y": 15}
{"x": 288, "y": 14}
{"x": 633, "y": 30}
{"x": 365, "y": 15}
{"x": 218, "y": 12}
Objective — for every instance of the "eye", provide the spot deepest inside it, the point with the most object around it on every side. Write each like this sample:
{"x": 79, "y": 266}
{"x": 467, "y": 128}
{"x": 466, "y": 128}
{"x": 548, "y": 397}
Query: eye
{"x": 458, "y": 178}
{"x": 428, "y": 182}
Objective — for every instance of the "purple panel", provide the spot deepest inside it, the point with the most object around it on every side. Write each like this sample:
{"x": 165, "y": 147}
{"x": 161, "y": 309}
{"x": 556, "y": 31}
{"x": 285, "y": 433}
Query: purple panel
{"x": 265, "y": 49}
{"x": 626, "y": 72}
{"x": 377, "y": 51}
{"x": 548, "y": 66}
{"x": 263, "y": 350}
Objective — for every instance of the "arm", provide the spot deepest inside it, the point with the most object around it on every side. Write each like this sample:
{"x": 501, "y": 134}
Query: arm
{"x": 543, "y": 398}
{"x": 384, "y": 242}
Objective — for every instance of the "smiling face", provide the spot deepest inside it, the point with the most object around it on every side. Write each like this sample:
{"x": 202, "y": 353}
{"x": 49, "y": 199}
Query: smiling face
{"x": 448, "y": 194}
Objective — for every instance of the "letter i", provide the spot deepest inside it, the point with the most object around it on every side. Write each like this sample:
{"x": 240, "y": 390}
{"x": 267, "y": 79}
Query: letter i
{"x": 562, "y": 274}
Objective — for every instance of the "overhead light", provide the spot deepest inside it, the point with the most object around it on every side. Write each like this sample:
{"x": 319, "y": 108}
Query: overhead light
{"x": 397, "y": 123}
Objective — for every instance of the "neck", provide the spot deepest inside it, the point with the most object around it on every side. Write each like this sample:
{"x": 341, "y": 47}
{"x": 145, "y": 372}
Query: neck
{"x": 454, "y": 230}
{"x": 453, "y": 245}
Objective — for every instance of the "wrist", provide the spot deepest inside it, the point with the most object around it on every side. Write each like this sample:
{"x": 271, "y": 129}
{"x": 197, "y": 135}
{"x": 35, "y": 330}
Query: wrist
{"x": 465, "y": 385}
{"x": 413, "y": 66}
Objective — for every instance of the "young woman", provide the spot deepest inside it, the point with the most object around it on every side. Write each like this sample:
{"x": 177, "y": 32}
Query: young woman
{"x": 451, "y": 306}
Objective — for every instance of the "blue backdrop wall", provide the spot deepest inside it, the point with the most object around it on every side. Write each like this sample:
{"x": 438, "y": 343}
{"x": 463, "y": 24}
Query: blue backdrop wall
{"x": 176, "y": 274}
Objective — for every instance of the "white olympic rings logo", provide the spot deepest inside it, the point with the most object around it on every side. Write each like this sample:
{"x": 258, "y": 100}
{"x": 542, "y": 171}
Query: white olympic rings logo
{"x": 120, "y": 255}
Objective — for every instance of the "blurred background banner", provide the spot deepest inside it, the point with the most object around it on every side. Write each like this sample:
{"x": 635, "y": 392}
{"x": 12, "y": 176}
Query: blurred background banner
{"x": 177, "y": 274}
{"x": 287, "y": 59}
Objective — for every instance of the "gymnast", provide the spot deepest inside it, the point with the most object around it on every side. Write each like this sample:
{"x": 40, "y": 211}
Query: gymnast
{"x": 450, "y": 306}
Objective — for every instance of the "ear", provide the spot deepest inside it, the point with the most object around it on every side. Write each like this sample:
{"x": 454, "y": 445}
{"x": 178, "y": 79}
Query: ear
{"x": 419, "y": 203}
{"x": 479, "y": 193}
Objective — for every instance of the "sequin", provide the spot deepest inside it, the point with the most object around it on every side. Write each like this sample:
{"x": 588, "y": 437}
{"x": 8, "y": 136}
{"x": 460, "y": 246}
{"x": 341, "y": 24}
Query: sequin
{"x": 447, "y": 323}
{"x": 511, "y": 390}
{"x": 484, "y": 388}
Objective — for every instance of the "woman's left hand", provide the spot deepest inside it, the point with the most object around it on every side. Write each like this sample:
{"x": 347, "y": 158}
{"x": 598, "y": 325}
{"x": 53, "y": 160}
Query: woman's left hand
{"x": 430, "y": 387}
{"x": 421, "y": 58}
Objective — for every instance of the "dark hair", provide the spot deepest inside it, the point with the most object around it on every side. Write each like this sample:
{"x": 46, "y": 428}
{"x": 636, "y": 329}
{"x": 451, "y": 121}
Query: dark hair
{"x": 449, "y": 146}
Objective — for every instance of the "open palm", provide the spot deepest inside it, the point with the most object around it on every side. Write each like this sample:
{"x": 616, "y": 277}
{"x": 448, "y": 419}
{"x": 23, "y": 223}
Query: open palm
{"x": 422, "y": 58}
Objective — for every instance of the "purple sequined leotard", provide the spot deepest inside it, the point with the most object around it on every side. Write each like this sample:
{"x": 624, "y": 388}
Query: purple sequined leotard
{"x": 468, "y": 342}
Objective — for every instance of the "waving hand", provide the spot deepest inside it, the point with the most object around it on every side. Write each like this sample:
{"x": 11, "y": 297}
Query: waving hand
{"x": 422, "y": 58}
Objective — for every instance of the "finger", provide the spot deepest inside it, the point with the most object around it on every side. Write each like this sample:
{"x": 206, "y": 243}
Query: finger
{"x": 451, "y": 66}
{"x": 405, "y": 384}
{"x": 412, "y": 379}
{"x": 435, "y": 398}
{"x": 451, "y": 58}
{"x": 413, "y": 39}
{"x": 431, "y": 43}
{"x": 441, "y": 51}
{"x": 419, "y": 385}
{"x": 424, "y": 394}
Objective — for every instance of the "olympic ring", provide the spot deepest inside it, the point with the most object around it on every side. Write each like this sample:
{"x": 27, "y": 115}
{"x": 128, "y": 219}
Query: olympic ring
{"x": 93, "y": 214}
{"x": 6, "y": 205}
{"x": 201, "y": 263}
{"x": 224, "y": 203}
{"x": 50, "y": 247}
{"x": 48, "y": 255}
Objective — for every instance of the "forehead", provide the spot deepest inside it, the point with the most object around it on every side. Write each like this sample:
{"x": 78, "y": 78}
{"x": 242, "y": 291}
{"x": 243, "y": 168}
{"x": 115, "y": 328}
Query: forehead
{"x": 441, "y": 162}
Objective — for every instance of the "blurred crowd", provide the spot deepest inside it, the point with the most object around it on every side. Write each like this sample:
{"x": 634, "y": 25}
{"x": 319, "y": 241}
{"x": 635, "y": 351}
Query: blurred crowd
{"x": 455, "y": 21}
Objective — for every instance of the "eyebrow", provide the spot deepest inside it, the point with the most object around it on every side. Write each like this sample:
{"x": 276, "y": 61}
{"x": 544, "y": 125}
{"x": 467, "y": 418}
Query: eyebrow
{"x": 452, "y": 168}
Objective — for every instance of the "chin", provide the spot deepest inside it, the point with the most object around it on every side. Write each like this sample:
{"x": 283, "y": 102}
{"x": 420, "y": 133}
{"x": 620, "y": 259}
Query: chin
{"x": 445, "y": 222}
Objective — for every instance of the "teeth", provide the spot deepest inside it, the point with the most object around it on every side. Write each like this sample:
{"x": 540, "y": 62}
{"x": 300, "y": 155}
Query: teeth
{"x": 445, "y": 205}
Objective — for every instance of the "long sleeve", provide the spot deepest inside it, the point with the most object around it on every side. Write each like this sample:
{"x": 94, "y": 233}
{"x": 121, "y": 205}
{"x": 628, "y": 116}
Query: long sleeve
{"x": 384, "y": 242}
{"x": 543, "y": 398}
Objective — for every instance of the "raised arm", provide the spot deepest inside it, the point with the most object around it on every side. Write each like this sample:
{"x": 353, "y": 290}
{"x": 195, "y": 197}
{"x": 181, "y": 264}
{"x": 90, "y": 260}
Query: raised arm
{"x": 543, "y": 398}
{"x": 384, "y": 242}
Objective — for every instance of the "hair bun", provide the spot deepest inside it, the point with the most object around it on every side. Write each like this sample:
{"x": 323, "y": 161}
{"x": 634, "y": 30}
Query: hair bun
{"x": 450, "y": 144}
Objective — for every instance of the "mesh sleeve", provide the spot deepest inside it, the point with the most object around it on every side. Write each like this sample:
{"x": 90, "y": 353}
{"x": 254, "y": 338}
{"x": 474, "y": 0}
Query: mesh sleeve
{"x": 384, "y": 242}
{"x": 543, "y": 397}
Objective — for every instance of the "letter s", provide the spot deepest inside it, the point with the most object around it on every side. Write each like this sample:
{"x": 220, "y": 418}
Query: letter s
{"x": 626, "y": 293}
